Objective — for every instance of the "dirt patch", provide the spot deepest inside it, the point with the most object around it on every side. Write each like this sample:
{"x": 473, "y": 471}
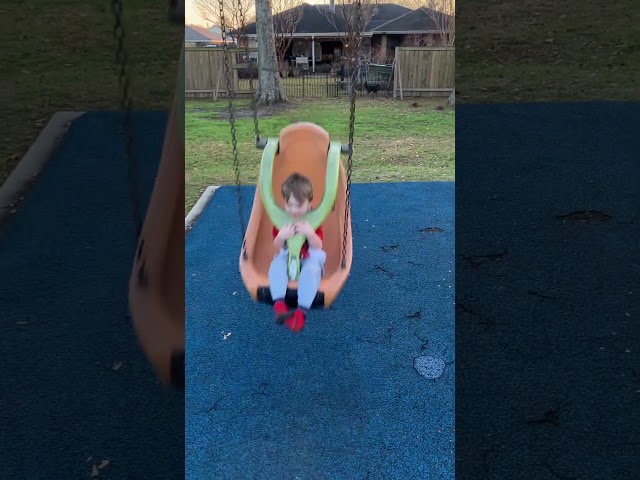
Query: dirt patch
{"x": 403, "y": 160}
{"x": 410, "y": 145}
{"x": 263, "y": 112}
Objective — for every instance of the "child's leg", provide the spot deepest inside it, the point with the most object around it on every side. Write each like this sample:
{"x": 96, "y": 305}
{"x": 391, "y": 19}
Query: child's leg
{"x": 308, "y": 284}
{"x": 278, "y": 282}
{"x": 310, "y": 276}
{"x": 278, "y": 276}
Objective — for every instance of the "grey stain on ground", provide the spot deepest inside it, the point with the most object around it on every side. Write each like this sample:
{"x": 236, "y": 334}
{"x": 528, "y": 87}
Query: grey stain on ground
{"x": 429, "y": 367}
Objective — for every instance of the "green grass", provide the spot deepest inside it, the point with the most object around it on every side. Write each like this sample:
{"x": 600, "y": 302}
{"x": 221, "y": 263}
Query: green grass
{"x": 546, "y": 51}
{"x": 59, "y": 55}
{"x": 394, "y": 140}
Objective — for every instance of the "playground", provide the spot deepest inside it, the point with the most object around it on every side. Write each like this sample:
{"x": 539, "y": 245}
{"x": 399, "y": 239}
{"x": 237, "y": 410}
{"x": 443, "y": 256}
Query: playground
{"x": 366, "y": 390}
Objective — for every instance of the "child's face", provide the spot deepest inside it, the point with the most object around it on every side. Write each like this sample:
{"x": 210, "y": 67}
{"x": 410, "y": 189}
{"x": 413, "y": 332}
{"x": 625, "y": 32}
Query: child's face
{"x": 295, "y": 208}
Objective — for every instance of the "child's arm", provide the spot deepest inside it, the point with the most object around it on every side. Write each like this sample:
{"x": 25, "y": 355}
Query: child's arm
{"x": 315, "y": 241}
{"x": 279, "y": 242}
{"x": 314, "y": 238}
{"x": 282, "y": 236}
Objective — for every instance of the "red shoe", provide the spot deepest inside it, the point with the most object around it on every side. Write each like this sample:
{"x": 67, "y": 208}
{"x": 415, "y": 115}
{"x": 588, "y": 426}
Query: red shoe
{"x": 295, "y": 322}
{"x": 281, "y": 311}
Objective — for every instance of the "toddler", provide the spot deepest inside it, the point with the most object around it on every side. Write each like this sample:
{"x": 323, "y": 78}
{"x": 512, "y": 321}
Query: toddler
{"x": 297, "y": 192}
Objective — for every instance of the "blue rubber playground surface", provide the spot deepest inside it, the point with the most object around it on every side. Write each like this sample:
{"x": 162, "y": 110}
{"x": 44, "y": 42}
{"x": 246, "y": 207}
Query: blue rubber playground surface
{"x": 366, "y": 390}
{"x": 76, "y": 390}
{"x": 546, "y": 276}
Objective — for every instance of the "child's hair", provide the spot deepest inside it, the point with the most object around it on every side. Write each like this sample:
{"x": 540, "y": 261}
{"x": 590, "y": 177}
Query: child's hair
{"x": 299, "y": 186}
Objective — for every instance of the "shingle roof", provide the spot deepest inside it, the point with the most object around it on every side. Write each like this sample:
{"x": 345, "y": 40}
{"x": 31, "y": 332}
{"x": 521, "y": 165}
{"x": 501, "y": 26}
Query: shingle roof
{"x": 385, "y": 13}
{"x": 314, "y": 18}
{"x": 191, "y": 35}
{"x": 416, "y": 20}
{"x": 211, "y": 35}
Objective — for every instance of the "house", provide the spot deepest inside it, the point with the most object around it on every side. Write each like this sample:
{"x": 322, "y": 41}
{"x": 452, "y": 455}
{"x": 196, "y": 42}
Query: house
{"x": 415, "y": 26}
{"x": 215, "y": 30}
{"x": 317, "y": 34}
{"x": 196, "y": 36}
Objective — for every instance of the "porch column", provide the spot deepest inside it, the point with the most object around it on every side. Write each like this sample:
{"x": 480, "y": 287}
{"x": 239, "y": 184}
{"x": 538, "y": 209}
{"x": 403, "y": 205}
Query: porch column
{"x": 313, "y": 54}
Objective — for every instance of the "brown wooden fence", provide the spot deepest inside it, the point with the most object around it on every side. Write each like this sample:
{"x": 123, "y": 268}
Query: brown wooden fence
{"x": 204, "y": 71}
{"x": 418, "y": 72}
{"x": 424, "y": 71}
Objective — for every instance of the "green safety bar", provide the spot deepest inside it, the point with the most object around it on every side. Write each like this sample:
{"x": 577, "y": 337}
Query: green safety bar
{"x": 279, "y": 217}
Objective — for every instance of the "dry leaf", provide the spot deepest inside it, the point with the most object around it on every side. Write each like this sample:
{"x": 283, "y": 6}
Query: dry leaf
{"x": 104, "y": 463}
{"x": 117, "y": 365}
{"x": 94, "y": 471}
{"x": 89, "y": 459}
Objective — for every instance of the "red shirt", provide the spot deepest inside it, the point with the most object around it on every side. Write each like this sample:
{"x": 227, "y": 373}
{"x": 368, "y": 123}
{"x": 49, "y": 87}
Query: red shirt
{"x": 304, "y": 252}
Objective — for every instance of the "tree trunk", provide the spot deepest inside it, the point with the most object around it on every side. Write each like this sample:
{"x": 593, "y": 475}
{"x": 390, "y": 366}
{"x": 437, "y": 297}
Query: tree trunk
{"x": 271, "y": 90}
{"x": 452, "y": 98}
{"x": 282, "y": 66}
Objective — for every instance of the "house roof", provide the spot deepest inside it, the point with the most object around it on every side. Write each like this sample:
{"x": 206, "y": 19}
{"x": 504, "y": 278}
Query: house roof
{"x": 314, "y": 18}
{"x": 192, "y": 35}
{"x": 385, "y": 13}
{"x": 415, "y": 20}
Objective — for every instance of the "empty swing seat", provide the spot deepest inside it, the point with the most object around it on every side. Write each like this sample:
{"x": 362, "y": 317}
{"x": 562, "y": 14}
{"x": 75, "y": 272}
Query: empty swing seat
{"x": 301, "y": 148}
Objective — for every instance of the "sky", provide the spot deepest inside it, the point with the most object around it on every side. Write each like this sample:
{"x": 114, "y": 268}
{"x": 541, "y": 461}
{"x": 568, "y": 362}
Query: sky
{"x": 193, "y": 18}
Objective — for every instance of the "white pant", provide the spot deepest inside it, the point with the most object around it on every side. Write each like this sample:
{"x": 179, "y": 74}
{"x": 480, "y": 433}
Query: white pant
{"x": 311, "y": 271}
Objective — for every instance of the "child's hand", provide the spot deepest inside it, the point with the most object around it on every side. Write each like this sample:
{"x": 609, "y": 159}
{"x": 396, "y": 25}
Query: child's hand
{"x": 286, "y": 232}
{"x": 304, "y": 228}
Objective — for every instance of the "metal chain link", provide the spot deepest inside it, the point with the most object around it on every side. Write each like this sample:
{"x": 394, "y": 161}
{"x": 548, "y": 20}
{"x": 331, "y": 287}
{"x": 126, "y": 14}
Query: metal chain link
{"x": 352, "y": 121}
{"x": 254, "y": 98}
{"x": 122, "y": 59}
{"x": 232, "y": 121}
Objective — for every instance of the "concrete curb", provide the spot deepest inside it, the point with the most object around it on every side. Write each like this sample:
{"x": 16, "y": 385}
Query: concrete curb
{"x": 198, "y": 208}
{"x": 32, "y": 163}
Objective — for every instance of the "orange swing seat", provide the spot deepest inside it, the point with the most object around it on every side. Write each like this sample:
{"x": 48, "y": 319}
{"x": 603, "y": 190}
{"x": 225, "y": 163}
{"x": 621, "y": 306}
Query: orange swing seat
{"x": 303, "y": 149}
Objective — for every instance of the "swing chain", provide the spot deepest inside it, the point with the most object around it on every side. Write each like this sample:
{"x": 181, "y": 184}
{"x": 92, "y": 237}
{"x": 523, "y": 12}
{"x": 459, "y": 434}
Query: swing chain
{"x": 352, "y": 121}
{"x": 232, "y": 121}
{"x": 122, "y": 59}
{"x": 254, "y": 98}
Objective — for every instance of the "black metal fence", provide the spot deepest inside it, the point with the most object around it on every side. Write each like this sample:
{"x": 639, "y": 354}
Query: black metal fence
{"x": 370, "y": 82}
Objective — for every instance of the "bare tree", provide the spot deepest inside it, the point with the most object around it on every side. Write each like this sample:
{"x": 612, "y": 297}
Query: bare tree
{"x": 235, "y": 12}
{"x": 442, "y": 14}
{"x": 418, "y": 40}
{"x": 285, "y": 21}
{"x": 350, "y": 20}
{"x": 270, "y": 89}
{"x": 412, "y": 4}
{"x": 381, "y": 55}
